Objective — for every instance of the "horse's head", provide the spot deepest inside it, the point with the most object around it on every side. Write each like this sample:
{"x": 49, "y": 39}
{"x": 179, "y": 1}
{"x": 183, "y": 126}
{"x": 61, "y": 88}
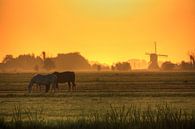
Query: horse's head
{"x": 31, "y": 83}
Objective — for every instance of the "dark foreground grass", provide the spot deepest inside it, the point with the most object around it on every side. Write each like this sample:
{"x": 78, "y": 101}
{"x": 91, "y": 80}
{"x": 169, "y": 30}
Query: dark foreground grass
{"x": 161, "y": 116}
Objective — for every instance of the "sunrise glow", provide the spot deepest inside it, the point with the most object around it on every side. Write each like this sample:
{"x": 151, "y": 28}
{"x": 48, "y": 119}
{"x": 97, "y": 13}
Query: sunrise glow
{"x": 104, "y": 31}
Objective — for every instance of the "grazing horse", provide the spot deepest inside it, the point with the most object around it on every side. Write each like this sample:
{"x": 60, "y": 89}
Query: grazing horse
{"x": 46, "y": 80}
{"x": 68, "y": 77}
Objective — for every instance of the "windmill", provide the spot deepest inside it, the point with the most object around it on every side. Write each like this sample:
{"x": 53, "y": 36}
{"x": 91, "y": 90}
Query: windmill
{"x": 154, "y": 58}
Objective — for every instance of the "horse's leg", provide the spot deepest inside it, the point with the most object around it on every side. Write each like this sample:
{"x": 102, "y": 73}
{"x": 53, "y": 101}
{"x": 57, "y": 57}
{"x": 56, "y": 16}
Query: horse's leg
{"x": 33, "y": 87}
{"x": 37, "y": 87}
{"x": 57, "y": 86}
{"x": 69, "y": 86}
{"x": 47, "y": 87}
{"x": 74, "y": 86}
{"x": 30, "y": 87}
{"x": 40, "y": 87}
{"x": 54, "y": 87}
{"x": 51, "y": 88}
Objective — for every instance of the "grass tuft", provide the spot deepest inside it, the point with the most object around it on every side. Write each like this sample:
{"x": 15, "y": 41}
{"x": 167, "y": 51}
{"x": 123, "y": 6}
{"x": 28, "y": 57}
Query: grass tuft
{"x": 161, "y": 116}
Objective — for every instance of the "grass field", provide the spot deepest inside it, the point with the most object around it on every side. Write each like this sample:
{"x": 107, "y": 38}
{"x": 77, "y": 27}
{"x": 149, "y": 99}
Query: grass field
{"x": 98, "y": 92}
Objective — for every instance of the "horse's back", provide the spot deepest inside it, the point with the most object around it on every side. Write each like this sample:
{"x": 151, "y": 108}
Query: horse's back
{"x": 44, "y": 79}
{"x": 67, "y": 76}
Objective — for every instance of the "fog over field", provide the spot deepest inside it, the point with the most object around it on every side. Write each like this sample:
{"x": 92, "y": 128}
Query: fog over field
{"x": 99, "y": 90}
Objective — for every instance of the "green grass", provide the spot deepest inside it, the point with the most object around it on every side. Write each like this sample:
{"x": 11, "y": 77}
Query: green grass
{"x": 163, "y": 116}
{"x": 89, "y": 107}
{"x": 135, "y": 81}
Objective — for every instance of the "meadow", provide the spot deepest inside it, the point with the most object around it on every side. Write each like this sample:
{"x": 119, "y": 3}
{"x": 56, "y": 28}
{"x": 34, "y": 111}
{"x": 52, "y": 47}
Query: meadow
{"x": 103, "y": 97}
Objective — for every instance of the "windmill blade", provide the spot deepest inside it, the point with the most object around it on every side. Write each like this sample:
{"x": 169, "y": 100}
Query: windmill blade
{"x": 162, "y": 55}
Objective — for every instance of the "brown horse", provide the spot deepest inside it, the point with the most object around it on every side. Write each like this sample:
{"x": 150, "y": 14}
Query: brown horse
{"x": 68, "y": 77}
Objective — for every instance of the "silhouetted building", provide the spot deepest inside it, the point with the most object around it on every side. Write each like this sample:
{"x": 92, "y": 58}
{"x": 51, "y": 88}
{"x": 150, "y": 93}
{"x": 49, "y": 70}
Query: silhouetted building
{"x": 168, "y": 66}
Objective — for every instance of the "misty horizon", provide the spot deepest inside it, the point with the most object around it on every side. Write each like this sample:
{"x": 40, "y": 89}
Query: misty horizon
{"x": 91, "y": 61}
{"x": 76, "y": 61}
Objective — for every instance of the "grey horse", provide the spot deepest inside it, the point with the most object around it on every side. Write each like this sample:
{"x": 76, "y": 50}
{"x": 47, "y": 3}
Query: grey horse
{"x": 46, "y": 80}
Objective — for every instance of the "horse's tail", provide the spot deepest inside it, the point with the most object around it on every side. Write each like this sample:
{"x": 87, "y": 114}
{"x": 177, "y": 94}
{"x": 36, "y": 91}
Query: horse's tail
{"x": 73, "y": 81}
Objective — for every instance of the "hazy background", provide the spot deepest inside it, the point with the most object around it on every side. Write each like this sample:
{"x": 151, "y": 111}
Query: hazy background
{"x": 104, "y": 31}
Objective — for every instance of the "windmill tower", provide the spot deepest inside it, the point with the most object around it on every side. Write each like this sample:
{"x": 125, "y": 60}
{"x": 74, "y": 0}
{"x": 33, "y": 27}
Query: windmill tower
{"x": 154, "y": 58}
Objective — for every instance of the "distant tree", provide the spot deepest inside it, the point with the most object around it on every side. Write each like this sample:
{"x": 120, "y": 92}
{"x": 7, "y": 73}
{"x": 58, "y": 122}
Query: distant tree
{"x": 168, "y": 66}
{"x": 97, "y": 67}
{"x": 24, "y": 62}
{"x": 124, "y": 66}
{"x": 49, "y": 64}
{"x": 185, "y": 66}
{"x": 2, "y": 69}
{"x": 7, "y": 59}
{"x": 138, "y": 64}
{"x": 113, "y": 68}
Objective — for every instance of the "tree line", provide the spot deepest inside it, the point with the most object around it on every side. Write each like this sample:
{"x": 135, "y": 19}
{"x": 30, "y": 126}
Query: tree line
{"x": 62, "y": 62}
{"x": 75, "y": 61}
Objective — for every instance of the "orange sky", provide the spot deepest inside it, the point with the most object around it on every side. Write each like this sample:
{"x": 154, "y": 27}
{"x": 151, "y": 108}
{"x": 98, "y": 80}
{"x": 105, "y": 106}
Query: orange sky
{"x": 102, "y": 30}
